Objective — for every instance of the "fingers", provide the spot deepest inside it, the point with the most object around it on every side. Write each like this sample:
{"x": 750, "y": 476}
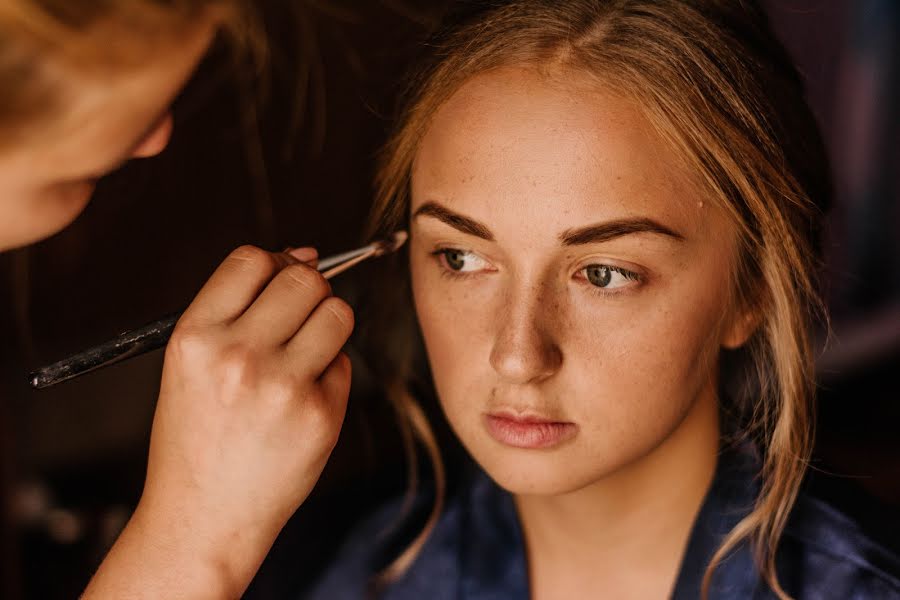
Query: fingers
{"x": 239, "y": 279}
{"x": 284, "y": 305}
{"x": 236, "y": 283}
{"x": 274, "y": 299}
{"x": 306, "y": 255}
{"x": 335, "y": 382}
{"x": 314, "y": 347}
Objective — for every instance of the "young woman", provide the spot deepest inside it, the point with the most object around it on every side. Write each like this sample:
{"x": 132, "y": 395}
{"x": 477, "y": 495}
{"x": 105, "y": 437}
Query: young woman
{"x": 255, "y": 363}
{"x": 614, "y": 208}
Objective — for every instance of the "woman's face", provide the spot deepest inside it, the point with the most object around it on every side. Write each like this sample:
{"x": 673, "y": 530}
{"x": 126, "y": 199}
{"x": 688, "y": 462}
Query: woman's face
{"x": 571, "y": 285}
{"x": 47, "y": 181}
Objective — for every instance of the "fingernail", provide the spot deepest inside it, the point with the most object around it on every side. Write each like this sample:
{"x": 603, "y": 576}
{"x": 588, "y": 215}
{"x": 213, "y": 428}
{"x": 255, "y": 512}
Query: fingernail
{"x": 304, "y": 254}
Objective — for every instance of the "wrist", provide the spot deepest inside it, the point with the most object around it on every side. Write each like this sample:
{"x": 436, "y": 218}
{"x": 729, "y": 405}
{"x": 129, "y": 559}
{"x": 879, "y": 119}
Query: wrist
{"x": 149, "y": 561}
{"x": 202, "y": 546}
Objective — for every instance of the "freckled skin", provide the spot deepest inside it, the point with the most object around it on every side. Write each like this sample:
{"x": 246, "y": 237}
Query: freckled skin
{"x": 529, "y": 161}
{"x": 530, "y": 157}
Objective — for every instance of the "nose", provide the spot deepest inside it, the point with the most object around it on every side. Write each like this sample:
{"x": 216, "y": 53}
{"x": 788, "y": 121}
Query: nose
{"x": 525, "y": 350}
{"x": 156, "y": 141}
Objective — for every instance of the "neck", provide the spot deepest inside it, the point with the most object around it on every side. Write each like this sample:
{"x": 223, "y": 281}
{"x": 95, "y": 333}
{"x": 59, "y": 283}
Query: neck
{"x": 628, "y": 531}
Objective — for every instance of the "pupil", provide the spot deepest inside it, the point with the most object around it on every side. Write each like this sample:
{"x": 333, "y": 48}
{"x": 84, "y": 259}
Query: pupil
{"x": 454, "y": 259}
{"x": 599, "y": 276}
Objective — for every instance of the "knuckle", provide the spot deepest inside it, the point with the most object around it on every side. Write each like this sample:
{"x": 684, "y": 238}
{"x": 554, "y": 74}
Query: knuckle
{"x": 330, "y": 437}
{"x": 306, "y": 280}
{"x": 322, "y": 421}
{"x": 255, "y": 258}
{"x": 341, "y": 311}
{"x": 346, "y": 366}
{"x": 238, "y": 364}
{"x": 343, "y": 364}
{"x": 189, "y": 342}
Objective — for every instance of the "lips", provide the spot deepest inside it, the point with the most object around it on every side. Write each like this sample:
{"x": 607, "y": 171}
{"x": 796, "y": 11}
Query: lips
{"x": 529, "y": 432}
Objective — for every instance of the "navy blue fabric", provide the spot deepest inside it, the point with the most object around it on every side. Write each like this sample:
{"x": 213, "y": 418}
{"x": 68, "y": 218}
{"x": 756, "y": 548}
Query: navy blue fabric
{"x": 476, "y": 551}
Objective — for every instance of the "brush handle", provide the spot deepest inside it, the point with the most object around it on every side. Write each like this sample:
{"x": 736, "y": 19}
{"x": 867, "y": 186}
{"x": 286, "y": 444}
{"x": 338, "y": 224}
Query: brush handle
{"x": 157, "y": 334}
{"x": 131, "y": 343}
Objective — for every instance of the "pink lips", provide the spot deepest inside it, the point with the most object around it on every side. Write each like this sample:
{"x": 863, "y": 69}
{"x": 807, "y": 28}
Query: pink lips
{"x": 527, "y": 432}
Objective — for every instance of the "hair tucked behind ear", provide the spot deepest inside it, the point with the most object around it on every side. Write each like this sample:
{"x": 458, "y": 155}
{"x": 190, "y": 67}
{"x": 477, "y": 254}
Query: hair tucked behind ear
{"x": 717, "y": 86}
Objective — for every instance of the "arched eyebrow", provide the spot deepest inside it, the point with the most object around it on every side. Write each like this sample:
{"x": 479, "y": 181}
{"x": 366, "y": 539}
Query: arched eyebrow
{"x": 603, "y": 232}
{"x": 455, "y": 220}
{"x": 591, "y": 234}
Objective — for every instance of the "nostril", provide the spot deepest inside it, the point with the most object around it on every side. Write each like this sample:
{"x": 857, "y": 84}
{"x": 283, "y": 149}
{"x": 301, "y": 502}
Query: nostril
{"x": 156, "y": 140}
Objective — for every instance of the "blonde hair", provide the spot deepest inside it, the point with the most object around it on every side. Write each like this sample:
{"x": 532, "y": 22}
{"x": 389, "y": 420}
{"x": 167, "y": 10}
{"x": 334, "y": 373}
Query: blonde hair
{"x": 38, "y": 38}
{"x": 718, "y": 87}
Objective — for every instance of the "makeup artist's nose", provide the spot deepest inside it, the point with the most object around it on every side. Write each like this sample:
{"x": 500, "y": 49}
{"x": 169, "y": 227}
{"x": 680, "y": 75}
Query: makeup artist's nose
{"x": 156, "y": 141}
{"x": 524, "y": 349}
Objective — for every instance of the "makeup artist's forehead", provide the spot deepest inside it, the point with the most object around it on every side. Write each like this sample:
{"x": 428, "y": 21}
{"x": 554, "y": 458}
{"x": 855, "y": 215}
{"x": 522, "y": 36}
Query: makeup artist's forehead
{"x": 104, "y": 113}
{"x": 513, "y": 142}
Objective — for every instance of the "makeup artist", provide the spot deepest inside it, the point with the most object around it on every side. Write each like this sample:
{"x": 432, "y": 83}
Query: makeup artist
{"x": 241, "y": 433}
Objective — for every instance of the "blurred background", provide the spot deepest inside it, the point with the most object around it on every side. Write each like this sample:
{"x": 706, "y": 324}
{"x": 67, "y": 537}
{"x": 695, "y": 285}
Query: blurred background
{"x": 293, "y": 166}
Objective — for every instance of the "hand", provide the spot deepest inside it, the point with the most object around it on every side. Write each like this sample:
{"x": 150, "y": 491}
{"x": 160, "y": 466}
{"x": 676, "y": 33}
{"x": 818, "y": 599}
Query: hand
{"x": 253, "y": 394}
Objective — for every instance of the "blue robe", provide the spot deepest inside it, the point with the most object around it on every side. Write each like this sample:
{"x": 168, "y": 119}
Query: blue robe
{"x": 476, "y": 551}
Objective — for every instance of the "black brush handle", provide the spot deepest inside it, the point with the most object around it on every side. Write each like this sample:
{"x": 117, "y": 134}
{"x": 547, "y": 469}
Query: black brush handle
{"x": 157, "y": 334}
{"x": 131, "y": 343}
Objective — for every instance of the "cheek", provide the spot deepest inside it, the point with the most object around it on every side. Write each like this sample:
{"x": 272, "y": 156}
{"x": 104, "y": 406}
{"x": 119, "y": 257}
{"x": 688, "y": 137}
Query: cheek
{"x": 455, "y": 318}
{"x": 451, "y": 318}
{"x": 639, "y": 364}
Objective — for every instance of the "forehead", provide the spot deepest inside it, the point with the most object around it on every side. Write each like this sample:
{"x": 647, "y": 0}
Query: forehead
{"x": 562, "y": 147}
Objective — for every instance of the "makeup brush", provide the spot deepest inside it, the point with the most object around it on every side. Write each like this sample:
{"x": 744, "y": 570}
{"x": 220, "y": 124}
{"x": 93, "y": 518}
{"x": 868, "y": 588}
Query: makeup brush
{"x": 156, "y": 335}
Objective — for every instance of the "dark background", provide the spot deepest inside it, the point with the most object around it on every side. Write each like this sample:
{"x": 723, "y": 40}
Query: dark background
{"x": 293, "y": 166}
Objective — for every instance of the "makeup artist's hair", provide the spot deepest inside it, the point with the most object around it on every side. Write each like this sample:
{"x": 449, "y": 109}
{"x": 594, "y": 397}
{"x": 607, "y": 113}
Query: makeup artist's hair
{"x": 40, "y": 39}
{"x": 721, "y": 90}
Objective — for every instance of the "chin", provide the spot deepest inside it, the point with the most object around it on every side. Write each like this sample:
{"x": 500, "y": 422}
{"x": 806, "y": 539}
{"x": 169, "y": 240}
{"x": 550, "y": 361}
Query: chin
{"x": 70, "y": 207}
{"x": 21, "y": 237}
{"x": 46, "y": 222}
{"x": 65, "y": 211}
{"x": 538, "y": 472}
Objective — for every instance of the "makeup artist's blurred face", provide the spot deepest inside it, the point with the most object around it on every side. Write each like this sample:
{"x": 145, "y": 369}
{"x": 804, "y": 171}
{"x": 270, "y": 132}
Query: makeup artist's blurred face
{"x": 108, "y": 119}
{"x": 570, "y": 284}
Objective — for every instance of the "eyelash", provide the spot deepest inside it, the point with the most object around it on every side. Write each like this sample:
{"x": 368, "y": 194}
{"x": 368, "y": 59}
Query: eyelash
{"x": 629, "y": 275}
{"x": 440, "y": 256}
{"x": 452, "y": 274}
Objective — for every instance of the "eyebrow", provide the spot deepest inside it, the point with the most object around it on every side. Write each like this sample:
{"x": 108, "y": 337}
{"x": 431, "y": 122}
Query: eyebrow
{"x": 454, "y": 220}
{"x": 591, "y": 234}
{"x": 603, "y": 232}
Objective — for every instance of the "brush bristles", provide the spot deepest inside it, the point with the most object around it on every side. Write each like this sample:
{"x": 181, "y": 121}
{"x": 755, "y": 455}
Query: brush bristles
{"x": 383, "y": 247}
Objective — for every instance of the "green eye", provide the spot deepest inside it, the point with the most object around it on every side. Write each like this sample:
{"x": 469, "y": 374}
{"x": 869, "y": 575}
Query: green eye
{"x": 455, "y": 259}
{"x": 610, "y": 278}
{"x": 463, "y": 262}
{"x": 599, "y": 275}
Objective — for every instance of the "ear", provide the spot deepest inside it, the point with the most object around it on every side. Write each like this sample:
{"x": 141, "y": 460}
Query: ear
{"x": 742, "y": 326}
